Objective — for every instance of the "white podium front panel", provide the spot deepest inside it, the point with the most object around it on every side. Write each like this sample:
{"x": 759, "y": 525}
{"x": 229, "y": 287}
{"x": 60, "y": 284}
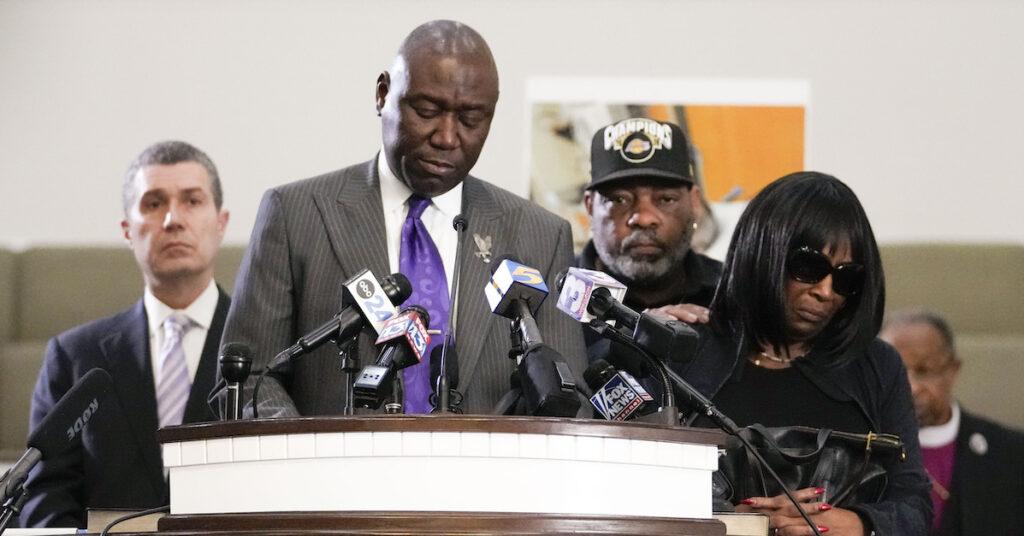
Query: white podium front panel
{"x": 441, "y": 471}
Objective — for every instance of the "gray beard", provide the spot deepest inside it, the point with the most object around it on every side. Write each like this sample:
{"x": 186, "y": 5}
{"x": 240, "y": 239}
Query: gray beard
{"x": 645, "y": 271}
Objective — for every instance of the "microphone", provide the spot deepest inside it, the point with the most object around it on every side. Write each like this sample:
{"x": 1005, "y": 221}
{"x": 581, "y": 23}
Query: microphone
{"x": 365, "y": 301}
{"x": 665, "y": 338}
{"x": 447, "y": 358}
{"x": 405, "y": 340}
{"x": 516, "y": 291}
{"x": 547, "y": 384}
{"x": 60, "y": 430}
{"x": 235, "y": 364}
{"x": 444, "y": 369}
{"x": 577, "y": 284}
{"x": 617, "y": 394}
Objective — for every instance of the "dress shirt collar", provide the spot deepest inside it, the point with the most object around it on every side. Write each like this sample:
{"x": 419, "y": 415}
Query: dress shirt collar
{"x": 394, "y": 193}
{"x": 199, "y": 311}
{"x": 942, "y": 434}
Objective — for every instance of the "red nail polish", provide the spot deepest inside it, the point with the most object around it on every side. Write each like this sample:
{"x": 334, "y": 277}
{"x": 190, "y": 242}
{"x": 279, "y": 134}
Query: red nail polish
{"x": 748, "y": 502}
{"x": 819, "y": 491}
{"x": 824, "y": 507}
{"x": 822, "y": 529}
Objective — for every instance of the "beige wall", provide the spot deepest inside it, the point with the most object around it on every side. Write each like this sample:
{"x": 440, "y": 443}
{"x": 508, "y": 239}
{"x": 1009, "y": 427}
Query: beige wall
{"x": 916, "y": 104}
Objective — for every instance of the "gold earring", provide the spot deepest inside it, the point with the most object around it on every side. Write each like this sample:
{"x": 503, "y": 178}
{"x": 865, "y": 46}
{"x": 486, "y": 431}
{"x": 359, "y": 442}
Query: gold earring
{"x": 694, "y": 225}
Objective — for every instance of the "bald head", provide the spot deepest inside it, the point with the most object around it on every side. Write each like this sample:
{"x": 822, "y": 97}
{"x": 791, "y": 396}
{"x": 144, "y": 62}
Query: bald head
{"x": 925, "y": 342}
{"x": 436, "y": 103}
{"x": 445, "y": 38}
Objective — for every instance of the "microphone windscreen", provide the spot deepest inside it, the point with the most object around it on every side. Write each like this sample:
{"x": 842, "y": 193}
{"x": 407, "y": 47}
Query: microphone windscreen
{"x": 451, "y": 368}
{"x": 235, "y": 361}
{"x": 63, "y": 425}
{"x": 397, "y": 287}
{"x": 599, "y": 372}
{"x": 236, "y": 350}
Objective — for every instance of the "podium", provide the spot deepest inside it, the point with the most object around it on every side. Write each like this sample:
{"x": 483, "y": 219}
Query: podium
{"x": 439, "y": 474}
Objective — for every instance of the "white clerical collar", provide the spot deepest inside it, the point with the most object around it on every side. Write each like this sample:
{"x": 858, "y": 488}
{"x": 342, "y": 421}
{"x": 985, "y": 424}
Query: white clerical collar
{"x": 200, "y": 311}
{"x": 942, "y": 434}
{"x": 394, "y": 193}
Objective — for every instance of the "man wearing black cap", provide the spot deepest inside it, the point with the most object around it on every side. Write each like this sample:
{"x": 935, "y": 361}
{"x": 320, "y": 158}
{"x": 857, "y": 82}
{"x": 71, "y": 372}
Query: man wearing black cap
{"x": 641, "y": 202}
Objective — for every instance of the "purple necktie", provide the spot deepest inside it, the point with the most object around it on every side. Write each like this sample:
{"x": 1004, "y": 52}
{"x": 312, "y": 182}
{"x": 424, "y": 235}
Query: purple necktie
{"x": 420, "y": 261}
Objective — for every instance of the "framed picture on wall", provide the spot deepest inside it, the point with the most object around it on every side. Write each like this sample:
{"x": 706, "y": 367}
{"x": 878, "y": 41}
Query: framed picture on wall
{"x": 743, "y": 134}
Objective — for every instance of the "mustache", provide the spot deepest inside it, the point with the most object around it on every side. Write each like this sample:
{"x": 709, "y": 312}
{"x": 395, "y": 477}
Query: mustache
{"x": 642, "y": 237}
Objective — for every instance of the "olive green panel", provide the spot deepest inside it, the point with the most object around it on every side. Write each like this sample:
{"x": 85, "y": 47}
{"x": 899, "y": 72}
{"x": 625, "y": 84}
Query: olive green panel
{"x": 991, "y": 375}
{"x": 62, "y": 287}
{"x": 977, "y": 288}
{"x": 8, "y": 294}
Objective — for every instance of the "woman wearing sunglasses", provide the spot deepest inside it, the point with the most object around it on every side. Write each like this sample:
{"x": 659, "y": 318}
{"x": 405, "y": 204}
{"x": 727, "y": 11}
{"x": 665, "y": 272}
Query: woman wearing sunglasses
{"x": 792, "y": 343}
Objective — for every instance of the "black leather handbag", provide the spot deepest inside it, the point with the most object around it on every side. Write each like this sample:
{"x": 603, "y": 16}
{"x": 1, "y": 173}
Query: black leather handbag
{"x": 848, "y": 466}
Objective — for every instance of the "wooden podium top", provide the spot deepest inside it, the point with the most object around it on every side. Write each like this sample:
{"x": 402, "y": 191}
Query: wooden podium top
{"x": 442, "y": 423}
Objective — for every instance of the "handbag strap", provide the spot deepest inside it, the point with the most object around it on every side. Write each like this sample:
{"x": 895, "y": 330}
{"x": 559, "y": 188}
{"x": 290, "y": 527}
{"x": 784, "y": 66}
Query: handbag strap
{"x": 820, "y": 440}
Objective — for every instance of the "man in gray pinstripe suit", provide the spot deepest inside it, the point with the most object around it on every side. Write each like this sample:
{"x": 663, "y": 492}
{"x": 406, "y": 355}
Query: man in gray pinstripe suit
{"x": 436, "y": 103}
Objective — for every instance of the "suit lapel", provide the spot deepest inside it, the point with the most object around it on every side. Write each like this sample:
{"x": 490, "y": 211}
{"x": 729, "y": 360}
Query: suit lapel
{"x": 197, "y": 409}
{"x": 353, "y": 216}
{"x": 127, "y": 354}
{"x": 484, "y": 218}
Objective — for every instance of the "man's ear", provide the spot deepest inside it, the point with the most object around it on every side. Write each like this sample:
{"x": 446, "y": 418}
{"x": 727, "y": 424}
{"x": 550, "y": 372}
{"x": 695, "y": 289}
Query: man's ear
{"x": 588, "y": 202}
{"x": 695, "y": 198}
{"x": 383, "y": 86}
{"x": 222, "y": 221}
{"x": 125, "y": 231}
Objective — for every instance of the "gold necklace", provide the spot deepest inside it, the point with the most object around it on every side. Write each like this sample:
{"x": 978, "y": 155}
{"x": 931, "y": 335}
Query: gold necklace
{"x": 770, "y": 357}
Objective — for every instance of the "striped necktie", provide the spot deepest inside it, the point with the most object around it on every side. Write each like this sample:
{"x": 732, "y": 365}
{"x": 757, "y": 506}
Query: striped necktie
{"x": 173, "y": 387}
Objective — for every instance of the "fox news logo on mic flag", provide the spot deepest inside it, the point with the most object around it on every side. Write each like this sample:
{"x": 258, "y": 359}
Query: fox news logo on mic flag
{"x": 616, "y": 401}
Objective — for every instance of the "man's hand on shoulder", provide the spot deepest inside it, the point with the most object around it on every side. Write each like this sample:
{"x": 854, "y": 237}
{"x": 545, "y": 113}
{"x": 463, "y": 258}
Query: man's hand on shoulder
{"x": 686, "y": 312}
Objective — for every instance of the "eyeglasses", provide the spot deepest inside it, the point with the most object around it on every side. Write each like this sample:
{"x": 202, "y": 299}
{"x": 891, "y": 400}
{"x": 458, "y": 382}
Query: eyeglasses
{"x": 808, "y": 265}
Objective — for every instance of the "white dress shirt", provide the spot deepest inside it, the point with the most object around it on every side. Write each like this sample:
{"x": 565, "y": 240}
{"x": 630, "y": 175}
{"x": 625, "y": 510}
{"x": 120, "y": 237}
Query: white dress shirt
{"x": 943, "y": 434}
{"x": 201, "y": 313}
{"x": 437, "y": 218}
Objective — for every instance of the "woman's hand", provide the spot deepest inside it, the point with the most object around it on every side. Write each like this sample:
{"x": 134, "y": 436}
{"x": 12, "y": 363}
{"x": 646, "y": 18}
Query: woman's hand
{"x": 786, "y": 520}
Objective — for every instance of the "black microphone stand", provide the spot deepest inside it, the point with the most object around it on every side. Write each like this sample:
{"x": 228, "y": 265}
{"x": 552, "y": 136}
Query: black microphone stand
{"x": 443, "y": 391}
{"x": 12, "y": 506}
{"x": 348, "y": 351}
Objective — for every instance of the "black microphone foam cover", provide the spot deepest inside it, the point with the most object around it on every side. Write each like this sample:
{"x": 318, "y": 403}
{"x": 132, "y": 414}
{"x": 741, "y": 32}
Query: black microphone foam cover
{"x": 451, "y": 369}
{"x": 598, "y": 373}
{"x": 63, "y": 425}
{"x": 397, "y": 287}
{"x": 235, "y": 361}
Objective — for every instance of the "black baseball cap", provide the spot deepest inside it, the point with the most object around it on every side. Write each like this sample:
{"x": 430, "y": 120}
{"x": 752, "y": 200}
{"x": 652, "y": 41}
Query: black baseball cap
{"x": 639, "y": 147}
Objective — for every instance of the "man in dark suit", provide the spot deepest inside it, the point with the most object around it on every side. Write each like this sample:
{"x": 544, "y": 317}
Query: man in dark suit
{"x": 436, "y": 103}
{"x": 161, "y": 352}
{"x": 976, "y": 466}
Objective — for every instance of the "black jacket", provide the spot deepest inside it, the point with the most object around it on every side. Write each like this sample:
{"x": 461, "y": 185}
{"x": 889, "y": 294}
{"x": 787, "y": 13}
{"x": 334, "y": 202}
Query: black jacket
{"x": 987, "y": 493}
{"x": 876, "y": 380}
{"x": 118, "y": 463}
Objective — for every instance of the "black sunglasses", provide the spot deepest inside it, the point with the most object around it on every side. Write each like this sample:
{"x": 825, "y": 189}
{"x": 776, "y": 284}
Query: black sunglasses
{"x": 808, "y": 265}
